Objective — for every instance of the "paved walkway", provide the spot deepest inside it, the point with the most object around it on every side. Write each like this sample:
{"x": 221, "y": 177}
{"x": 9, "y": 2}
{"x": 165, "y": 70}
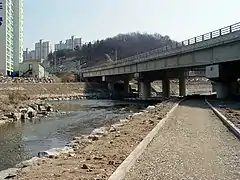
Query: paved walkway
{"x": 193, "y": 144}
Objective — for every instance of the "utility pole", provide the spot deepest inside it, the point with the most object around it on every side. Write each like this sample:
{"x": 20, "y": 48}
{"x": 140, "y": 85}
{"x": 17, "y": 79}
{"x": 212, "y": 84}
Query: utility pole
{"x": 55, "y": 62}
{"x": 116, "y": 55}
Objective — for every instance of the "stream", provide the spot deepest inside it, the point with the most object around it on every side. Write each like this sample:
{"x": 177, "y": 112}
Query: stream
{"x": 20, "y": 141}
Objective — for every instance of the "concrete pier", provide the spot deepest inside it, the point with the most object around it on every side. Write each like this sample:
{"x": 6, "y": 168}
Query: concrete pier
{"x": 182, "y": 86}
{"x": 166, "y": 87}
{"x": 145, "y": 89}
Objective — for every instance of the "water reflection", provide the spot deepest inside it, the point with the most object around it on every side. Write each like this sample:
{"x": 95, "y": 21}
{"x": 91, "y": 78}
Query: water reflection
{"x": 11, "y": 145}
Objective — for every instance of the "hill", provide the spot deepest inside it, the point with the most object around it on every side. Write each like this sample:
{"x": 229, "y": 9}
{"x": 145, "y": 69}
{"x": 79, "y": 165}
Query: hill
{"x": 120, "y": 46}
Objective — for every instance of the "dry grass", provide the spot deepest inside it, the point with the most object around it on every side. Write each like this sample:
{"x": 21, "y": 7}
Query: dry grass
{"x": 16, "y": 97}
{"x": 68, "y": 77}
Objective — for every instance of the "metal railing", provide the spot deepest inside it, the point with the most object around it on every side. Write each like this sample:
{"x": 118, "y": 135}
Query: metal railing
{"x": 205, "y": 37}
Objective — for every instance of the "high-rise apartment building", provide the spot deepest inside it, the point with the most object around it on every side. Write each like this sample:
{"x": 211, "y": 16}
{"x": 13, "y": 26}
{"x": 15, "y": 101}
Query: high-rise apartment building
{"x": 11, "y": 35}
{"x": 41, "y": 51}
{"x": 70, "y": 44}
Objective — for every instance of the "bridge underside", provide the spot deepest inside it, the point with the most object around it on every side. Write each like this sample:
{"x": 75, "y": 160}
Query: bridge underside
{"x": 176, "y": 62}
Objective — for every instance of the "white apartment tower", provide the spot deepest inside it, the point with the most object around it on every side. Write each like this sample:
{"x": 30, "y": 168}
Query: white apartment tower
{"x": 11, "y": 35}
{"x": 42, "y": 49}
{"x": 70, "y": 44}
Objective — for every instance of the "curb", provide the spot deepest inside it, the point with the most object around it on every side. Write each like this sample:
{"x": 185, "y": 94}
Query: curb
{"x": 225, "y": 121}
{"x": 121, "y": 171}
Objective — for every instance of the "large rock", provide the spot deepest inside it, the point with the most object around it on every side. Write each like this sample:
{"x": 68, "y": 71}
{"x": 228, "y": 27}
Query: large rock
{"x": 93, "y": 137}
{"x": 16, "y": 116}
{"x": 100, "y": 131}
{"x": 29, "y": 163}
{"x": 55, "y": 152}
{"x": 23, "y": 110}
{"x": 31, "y": 112}
{"x": 9, "y": 173}
{"x": 24, "y": 116}
{"x": 34, "y": 106}
{"x": 151, "y": 107}
{"x": 48, "y": 107}
{"x": 42, "y": 108}
{"x": 137, "y": 114}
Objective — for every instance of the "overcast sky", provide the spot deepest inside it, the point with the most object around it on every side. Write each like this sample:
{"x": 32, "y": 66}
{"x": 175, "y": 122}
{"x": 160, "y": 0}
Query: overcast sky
{"x": 56, "y": 20}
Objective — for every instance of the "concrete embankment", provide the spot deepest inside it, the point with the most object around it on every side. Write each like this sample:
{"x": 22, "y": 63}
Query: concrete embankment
{"x": 98, "y": 154}
{"x": 35, "y": 90}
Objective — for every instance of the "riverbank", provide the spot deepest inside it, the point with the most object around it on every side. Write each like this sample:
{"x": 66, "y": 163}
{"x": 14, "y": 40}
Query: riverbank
{"x": 21, "y": 101}
{"x": 98, "y": 154}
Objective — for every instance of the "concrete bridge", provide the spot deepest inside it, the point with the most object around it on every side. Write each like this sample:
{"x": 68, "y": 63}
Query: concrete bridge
{"x": 217, "y": 53}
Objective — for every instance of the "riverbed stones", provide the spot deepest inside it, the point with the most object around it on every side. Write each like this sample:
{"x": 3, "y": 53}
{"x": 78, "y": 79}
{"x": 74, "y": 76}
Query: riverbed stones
{"x": 93, "y": 137}
{"x": 78, "y": 138}
{"x": 100, "y": 131}
{"x": 112, "y": 129}
{"x": 84, "y": 166}
{"x": 29, "y": 163}
{"x": 41, "y": 108}
{"x": 124, "y": 121}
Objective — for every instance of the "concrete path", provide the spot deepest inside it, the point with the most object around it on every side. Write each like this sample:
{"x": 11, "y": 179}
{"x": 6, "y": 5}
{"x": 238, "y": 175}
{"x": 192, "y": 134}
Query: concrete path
{"x": 192, "y": 145}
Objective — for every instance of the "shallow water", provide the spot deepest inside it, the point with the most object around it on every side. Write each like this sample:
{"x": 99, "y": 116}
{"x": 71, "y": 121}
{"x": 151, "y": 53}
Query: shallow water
{"x": 21, "y": 141}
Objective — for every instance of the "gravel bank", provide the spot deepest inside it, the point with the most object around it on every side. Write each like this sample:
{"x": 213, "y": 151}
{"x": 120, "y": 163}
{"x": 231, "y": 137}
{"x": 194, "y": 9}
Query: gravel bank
{"x": 230, "y": 109}
{"x": 98, "y": 158}
{"x": 193, "y": 144}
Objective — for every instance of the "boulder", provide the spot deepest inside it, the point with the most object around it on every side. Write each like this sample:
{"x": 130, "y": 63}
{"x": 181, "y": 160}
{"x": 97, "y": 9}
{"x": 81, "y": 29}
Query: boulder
{"x": 48, "y": 107}
{"x": 29, "y": 163}
{"x": 23, "y": 110}
{"x": 78, "y": 138}
{"x": 93, "y": 137}
{"x": 100, "y": 131}
{"x": 112, "y": 129}
{"x": 34, "y": 106}
{"x": 137, "y": 114}
{"x": 24, "y": 116}
{"x": 54, "y": 152}
{"x": 41, "y": 108}
{"x": 16, "y": 116}
{"x": 4, "y": 118}
{"x": 31, "y": 112}
{"x": 9, "y": 173}
{"x": 151, "y": 107}
{"x": 124, "y": 120}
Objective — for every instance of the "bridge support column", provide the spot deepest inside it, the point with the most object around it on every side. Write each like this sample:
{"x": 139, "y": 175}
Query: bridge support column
{"x": 166, "y": 87}
{"x": 226, "y": 89}
{"x": 182, "y": 86}
{"x": 213, "y": 87}
{"x": 221, "y": 90}
{"x": 111, "y": 86}
{"x": 145, "y": 89}
{"x": 126, "y": 86}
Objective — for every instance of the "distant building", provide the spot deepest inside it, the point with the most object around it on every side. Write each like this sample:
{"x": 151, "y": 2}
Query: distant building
{"x": 69, "y": 44}
{"x": 60, "y": 46}
{"x": 42, "y": 49}
{"x": 32, "y": 68}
